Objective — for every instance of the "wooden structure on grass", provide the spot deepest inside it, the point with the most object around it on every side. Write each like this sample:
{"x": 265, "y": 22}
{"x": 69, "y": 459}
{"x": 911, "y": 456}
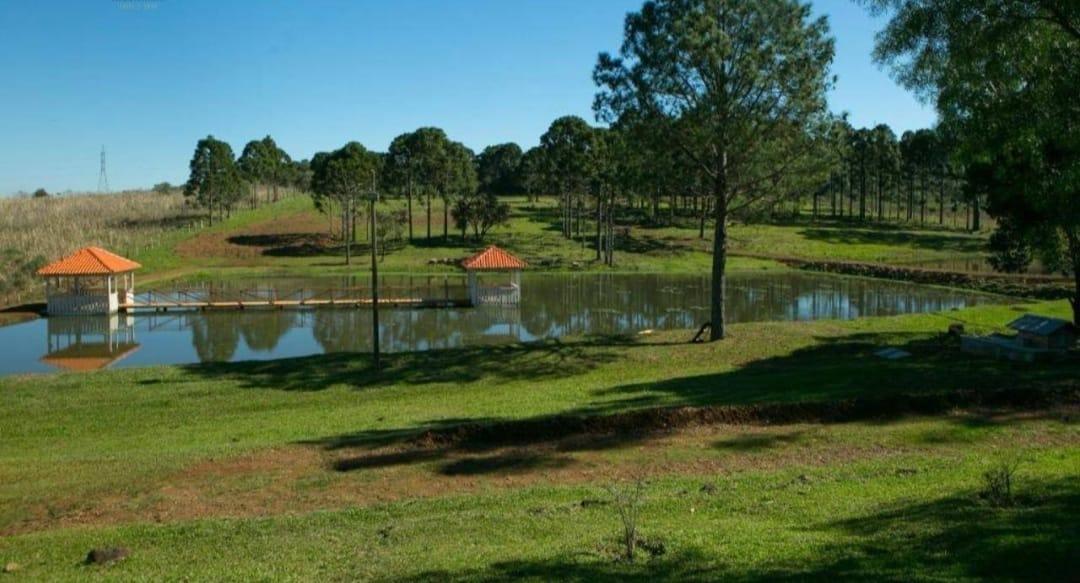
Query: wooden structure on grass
{"x": 1037, "y": 337}
{"x": 494, "y": 259}
{"x": 89, "y": 281}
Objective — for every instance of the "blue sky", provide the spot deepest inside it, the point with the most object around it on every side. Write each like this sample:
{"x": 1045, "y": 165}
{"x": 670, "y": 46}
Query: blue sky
{"x": 148, "y": 78}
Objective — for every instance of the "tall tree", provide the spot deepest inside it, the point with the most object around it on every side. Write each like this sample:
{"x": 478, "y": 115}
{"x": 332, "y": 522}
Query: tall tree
{"x": 457, "y": 178}
{"x": 346, "y": 177}
{"x": 743, "y": 85}
{"x": 214, "y": 181}
{"x": 569, "y": 150}
{"x": 402, "y": 173}
{"x": 1004, "y": 77}
{"x": 534, "y": 179}
{"x": 427, "y": 146}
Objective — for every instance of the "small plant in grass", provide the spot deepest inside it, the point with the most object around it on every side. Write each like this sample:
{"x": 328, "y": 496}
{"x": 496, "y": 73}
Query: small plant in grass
{"x": 998, "y": 482}
{"x": 626, "y": 499}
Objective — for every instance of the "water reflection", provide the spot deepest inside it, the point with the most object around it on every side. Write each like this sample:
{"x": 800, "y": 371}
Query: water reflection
{"x": 83, "y": 344}
{"x": 552, "y": 306}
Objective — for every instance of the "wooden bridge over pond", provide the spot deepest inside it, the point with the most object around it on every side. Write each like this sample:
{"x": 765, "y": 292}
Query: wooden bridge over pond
{"x": 196, "y": 298}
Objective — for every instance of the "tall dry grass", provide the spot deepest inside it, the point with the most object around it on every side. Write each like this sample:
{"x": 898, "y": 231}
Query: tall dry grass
{"x": 34, "y": 231}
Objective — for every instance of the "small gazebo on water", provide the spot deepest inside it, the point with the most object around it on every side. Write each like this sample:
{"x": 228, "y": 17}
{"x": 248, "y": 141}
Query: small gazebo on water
{"x": 494, "y": 259}
{"x": 89, "y": 281}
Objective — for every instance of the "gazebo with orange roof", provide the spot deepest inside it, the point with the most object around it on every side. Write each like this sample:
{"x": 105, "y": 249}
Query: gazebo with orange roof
{"x": 494, "y": 259}
{"x": 89, "y": 281}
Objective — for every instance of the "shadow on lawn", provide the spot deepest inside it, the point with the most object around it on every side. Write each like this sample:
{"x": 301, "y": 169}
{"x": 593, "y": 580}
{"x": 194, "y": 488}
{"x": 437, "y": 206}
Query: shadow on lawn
{"x": 846, "y": 367}
{"x": 935, "y": 241}
{"x": 956, "y": 537}
{"x": 534, "y": 361}
{"x": 836, "y": 381}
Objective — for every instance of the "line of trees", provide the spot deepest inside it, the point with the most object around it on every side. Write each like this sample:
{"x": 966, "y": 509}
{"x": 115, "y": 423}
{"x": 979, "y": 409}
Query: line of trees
{"x": 220, "y": 182}
{"x": 715, "y": 110}
{"x": 877, "y": 177}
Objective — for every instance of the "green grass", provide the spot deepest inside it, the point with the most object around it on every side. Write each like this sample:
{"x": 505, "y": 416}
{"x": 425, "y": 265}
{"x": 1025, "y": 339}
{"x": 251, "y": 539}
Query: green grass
{"x": 910, "y": 514}
{"x": 307, "y": 469}
{"x": 533, "y": 233}
{"x": 71, "y": 441}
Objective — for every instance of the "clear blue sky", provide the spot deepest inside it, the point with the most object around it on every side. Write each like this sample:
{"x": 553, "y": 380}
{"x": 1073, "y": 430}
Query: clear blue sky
{"x": 148, "y": 78}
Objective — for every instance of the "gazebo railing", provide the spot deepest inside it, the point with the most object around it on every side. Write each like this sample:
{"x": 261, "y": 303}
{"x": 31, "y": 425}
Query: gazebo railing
{"x": 506, "y": 295}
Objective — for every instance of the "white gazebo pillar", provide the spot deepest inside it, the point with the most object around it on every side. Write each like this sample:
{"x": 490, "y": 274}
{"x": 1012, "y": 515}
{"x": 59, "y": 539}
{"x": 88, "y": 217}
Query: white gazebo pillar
{"x": 474, "y": 289}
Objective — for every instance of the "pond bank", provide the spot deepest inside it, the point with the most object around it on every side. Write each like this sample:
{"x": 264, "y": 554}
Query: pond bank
{"x": 1043, "y": 287}
{"x": 21, "y": 313}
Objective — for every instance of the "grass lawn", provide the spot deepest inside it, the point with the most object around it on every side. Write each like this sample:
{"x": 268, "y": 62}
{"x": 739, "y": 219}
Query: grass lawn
{"x": 291, "y": 238}
{"x": 316, "y": 467}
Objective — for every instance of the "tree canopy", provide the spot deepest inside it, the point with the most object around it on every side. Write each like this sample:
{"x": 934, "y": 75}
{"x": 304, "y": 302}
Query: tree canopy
{"x": 738, "y": 87}
{"x": 214, "y": 182}
{"x": 1004, "y": 77}
{"x": 346, "y": 178}
{"x": 498, "y": 169}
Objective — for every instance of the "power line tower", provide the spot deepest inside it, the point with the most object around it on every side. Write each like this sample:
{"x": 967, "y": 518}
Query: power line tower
{"x": 103, "y": 177}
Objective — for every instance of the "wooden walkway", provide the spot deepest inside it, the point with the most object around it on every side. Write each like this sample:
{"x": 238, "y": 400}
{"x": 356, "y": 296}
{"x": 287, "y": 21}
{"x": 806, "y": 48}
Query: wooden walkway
{"x": 164, "y": 306}
{"x": 266, "y": 299}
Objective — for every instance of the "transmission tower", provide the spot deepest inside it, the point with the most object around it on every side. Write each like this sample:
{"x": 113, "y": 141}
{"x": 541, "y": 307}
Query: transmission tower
{"x": 103, "y": 177}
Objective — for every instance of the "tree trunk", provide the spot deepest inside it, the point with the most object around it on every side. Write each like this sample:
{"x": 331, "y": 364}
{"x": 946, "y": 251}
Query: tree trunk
{"x": 976, "y": 214}
{"x": 862, "y": 191}
{"x": 409, "y": 203}
{"x": 719, "y": 263}
{"x": 599, "y": 222}
{"x": 445, "y": 219}
{"x": 345, "y": 231}
{"x": 429, "y": 216}
{"x": 1075, "y": 300}
{"x": 704, "y": 210}
{"x": 941, "y": 199}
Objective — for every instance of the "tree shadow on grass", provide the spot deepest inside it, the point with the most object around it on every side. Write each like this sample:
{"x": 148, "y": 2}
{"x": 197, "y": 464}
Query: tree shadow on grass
{"x": 843, "y": 368}
{"x": 753, "y": 442}
{"x": 955, "y": 537}
{"x": 538, "y": 361}
{"x": 934, "y": 241}
{"x": 836, "y": 381}
{"x": 962, "y": 537}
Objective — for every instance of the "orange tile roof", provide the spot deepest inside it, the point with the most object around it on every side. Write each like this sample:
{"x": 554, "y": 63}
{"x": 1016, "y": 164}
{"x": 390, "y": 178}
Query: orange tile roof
{"x": 493, "y": 258}
{"x": 90, "y": 261}
{"x": 88, "y": 358}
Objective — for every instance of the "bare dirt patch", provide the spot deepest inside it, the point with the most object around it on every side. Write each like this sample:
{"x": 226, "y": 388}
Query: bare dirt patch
{"x": 300, "y": 234}
{"x": 302, "y": 478}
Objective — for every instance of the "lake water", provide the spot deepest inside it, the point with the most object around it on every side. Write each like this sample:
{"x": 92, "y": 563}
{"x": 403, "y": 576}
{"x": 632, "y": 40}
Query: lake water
{"x": 551, "y": 306}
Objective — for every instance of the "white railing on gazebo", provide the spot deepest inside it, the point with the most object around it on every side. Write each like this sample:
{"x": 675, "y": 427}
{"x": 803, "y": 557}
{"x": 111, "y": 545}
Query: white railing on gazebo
{"x": 500, "y": 295}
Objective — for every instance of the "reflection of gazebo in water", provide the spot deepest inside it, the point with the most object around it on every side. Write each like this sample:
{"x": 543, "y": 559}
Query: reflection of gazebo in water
{"x": 89, "y": 281}
{"x": 85, "y": 343}
{"x": 494, "y": 259}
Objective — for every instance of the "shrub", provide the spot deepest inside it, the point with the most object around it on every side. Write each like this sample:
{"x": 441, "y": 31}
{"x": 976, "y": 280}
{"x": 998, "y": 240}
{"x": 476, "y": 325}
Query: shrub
{"x": 626, "y": 500}
{"x": 998, "y": 483}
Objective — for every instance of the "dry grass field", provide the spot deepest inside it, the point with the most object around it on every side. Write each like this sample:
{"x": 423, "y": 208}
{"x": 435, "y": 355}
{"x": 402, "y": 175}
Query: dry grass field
{"x": 37, "y": 230}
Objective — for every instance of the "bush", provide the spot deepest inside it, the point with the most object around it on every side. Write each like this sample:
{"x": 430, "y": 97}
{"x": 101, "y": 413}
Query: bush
{"x": 998, "y": 483}
{"x": 626, "y": 500}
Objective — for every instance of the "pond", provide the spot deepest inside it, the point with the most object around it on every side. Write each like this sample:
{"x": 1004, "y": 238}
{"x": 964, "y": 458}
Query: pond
{"x": 552, "y": 306}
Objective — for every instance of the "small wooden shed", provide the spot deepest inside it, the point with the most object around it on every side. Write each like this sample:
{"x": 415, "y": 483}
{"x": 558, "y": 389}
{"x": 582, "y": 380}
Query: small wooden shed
{"x": 1035, "y": 331}
{"x": 89, "y": 281}
{"x": 494, "y": 259}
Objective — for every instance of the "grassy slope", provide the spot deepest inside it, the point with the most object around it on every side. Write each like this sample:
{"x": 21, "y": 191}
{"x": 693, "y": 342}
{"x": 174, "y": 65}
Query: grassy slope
{"x": 533, "y": 233}
{"x": 911, "y": 516}
{"x": 69, "y": 439}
